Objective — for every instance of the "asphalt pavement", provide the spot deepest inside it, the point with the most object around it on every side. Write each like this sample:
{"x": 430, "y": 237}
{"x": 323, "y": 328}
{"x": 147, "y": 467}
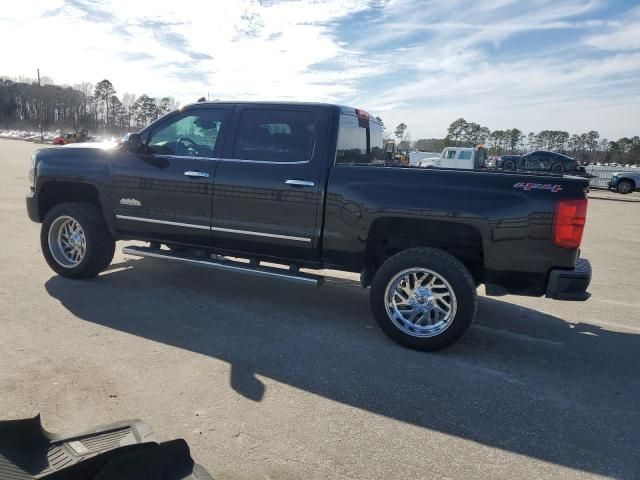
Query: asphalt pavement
{"x": 271, "y": 380}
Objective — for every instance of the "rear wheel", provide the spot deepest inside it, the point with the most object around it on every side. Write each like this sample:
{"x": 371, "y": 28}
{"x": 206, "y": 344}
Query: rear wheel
{"x": 75, "y": 240}
{"x": 557, "y": 168}
{"x": 423, "y": 298}
{"x": 509, "y": 165}
{"x": 625, "y": 186}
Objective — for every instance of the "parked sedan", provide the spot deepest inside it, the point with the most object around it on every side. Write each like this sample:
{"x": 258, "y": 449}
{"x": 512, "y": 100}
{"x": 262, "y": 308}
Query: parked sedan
{"x": 625, "y": 182}
{"x": 540, "y": 160}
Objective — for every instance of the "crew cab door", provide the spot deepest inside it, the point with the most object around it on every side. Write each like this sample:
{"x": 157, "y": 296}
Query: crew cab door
{"x": 267, "y": 191}
{"x": 164, "y": 191}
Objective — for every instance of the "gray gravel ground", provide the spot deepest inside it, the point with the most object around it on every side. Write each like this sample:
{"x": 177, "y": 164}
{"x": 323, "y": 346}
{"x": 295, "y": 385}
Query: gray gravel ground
{"x": 268, "y": 380}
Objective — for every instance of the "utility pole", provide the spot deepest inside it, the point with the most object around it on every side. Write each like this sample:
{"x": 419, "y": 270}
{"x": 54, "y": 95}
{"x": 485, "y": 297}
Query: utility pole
{"x": 40, "y": 109}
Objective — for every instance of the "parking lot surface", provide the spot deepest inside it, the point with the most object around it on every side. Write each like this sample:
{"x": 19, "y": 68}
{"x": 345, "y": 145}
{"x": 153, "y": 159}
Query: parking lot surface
{"x": 271, "y": 380}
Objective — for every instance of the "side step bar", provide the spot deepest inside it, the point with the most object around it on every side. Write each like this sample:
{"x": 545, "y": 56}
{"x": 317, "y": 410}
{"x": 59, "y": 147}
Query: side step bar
{"x": 228, "y": 265}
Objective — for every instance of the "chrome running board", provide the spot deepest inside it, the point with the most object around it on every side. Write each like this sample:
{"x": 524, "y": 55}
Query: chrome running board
{"x": 228, "y": 265}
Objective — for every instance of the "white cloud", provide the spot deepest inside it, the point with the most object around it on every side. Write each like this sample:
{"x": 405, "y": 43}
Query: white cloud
{"x": 229, "y": 49}
{"x": 423, "y": 62}
{"x": 623, "y": 35}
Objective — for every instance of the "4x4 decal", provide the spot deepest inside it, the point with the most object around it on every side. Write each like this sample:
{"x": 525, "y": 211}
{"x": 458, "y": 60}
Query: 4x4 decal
{"x": 538, "y": 186}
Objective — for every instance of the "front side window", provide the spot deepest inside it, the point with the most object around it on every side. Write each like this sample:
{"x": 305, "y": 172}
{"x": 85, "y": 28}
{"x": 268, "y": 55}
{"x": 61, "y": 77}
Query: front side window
{"x": 275, "y": 135}
{"x": 192, "y": 134}
{"x": 451, "y": 154}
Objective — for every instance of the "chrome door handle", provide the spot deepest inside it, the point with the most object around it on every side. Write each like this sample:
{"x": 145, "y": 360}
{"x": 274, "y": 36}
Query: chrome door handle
{"x": 300, "y": 183}
{"x": 196, "y": 174}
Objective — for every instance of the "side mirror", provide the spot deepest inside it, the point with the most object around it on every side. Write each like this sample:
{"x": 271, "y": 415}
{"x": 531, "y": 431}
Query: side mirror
{"x": 132, "y": 142}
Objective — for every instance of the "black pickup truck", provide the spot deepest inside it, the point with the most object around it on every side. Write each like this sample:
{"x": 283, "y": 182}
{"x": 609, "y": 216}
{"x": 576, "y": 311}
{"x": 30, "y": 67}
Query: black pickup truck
{"x": 307, "y": 185}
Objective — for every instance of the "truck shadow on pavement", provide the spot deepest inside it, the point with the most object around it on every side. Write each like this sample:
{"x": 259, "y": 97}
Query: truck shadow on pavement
{"x": 520, "y": 380}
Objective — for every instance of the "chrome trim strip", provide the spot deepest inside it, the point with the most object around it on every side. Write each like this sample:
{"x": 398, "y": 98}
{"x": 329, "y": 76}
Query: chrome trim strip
{"x": 260, "y": 234}
{"x": 182, "y": 157}
{"x": 268, "y": 162}
{"x": 217, "y": 229}
{"x": 163, "y": 222}
{"x": 263, "y": 272}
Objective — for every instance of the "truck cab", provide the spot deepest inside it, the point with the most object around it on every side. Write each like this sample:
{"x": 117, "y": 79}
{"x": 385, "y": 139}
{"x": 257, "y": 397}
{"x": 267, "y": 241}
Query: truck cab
{"x": 461, "y": 158}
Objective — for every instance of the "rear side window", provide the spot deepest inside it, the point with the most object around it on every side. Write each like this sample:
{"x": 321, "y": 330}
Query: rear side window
{"x": 275, "y": 135}
{"x": 360, "y": 141}
{"x": 465, "y": 155}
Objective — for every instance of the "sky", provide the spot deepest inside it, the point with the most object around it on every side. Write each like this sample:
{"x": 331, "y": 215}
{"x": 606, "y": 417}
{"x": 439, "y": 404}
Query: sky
{"x": 534, "y": 65}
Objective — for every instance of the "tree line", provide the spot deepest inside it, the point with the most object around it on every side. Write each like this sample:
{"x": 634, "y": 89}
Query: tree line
{"x": 584, "y": 147}
{"x": 26, "y": 104}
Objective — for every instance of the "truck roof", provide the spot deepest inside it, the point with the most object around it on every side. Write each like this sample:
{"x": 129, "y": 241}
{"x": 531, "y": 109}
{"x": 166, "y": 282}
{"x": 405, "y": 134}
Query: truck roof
{"x": 267, "y": 102}
{"x": 343, "y": 108}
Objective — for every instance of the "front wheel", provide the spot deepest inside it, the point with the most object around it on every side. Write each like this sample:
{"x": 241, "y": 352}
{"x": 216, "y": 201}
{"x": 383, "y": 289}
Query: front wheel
{"x": 625, "y": 186}
{"x": 423, "y": 298}
{"x": 75, "y": 240}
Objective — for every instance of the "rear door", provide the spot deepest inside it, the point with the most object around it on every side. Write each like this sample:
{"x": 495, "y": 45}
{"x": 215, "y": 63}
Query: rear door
{"x": 164, "y": 191}
{"x": 267, "y": 192}
{"x": 533, "y": 162}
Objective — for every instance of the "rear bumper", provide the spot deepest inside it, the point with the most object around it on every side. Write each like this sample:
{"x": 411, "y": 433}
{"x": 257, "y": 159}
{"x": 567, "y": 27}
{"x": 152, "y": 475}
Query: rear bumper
{"x": 570, "y": 284}
{"x": 32, "y": 207}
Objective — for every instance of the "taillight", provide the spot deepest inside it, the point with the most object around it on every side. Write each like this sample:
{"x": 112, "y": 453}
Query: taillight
{"x": 568, "y": 222}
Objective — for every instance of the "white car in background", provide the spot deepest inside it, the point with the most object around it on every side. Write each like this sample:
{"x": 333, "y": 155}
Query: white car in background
{"x": 462, "y": 158}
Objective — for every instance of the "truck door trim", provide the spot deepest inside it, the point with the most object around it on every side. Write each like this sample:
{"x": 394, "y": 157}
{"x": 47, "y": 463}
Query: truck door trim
{"x": 260, "y": 234}
{"x": 164, "y": 222}
{"x": 218, "y": 229}
{"x": 267, "y": 162}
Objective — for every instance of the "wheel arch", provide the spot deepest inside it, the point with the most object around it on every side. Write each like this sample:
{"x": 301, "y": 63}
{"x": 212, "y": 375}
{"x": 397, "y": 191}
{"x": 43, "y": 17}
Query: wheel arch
{"x": 628, "y": 179}
{"x": 388, "y": 236}
{"x": 54, "y": 193}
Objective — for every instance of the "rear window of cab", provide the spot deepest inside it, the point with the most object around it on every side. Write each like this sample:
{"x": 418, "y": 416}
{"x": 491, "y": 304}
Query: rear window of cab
{"x": 360, "y": 141}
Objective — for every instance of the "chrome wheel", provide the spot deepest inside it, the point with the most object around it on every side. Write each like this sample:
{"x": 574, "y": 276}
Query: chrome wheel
{"x": 420, "y": 302}
{"x": 67, "y": 241}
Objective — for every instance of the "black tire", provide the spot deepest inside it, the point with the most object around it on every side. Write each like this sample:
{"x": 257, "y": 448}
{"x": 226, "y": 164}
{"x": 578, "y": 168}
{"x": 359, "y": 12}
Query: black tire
{"x": 625, "y": 186}
{"x": 446, "y": 266}
{"x": 557, "y": 168}
{"x": 100, "y": 245}
{"x": 509, "y": 165}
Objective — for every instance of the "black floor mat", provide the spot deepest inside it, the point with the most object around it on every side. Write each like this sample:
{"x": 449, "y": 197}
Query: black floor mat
{"x": 124, "y": 450}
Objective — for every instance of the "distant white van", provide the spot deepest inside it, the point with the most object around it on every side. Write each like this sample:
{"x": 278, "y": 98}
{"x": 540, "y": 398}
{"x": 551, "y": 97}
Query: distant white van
{"x": 462, "y": 157}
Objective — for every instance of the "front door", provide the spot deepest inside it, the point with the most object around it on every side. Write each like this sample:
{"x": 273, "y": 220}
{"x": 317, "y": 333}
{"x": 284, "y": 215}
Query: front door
{"x": 267, "y": 192}
{"x": 164, "y": 191}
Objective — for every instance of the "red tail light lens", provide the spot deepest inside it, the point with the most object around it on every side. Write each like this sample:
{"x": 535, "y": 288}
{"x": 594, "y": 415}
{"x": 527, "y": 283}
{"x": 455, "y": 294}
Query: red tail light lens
{"x": 568, "y": 222}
